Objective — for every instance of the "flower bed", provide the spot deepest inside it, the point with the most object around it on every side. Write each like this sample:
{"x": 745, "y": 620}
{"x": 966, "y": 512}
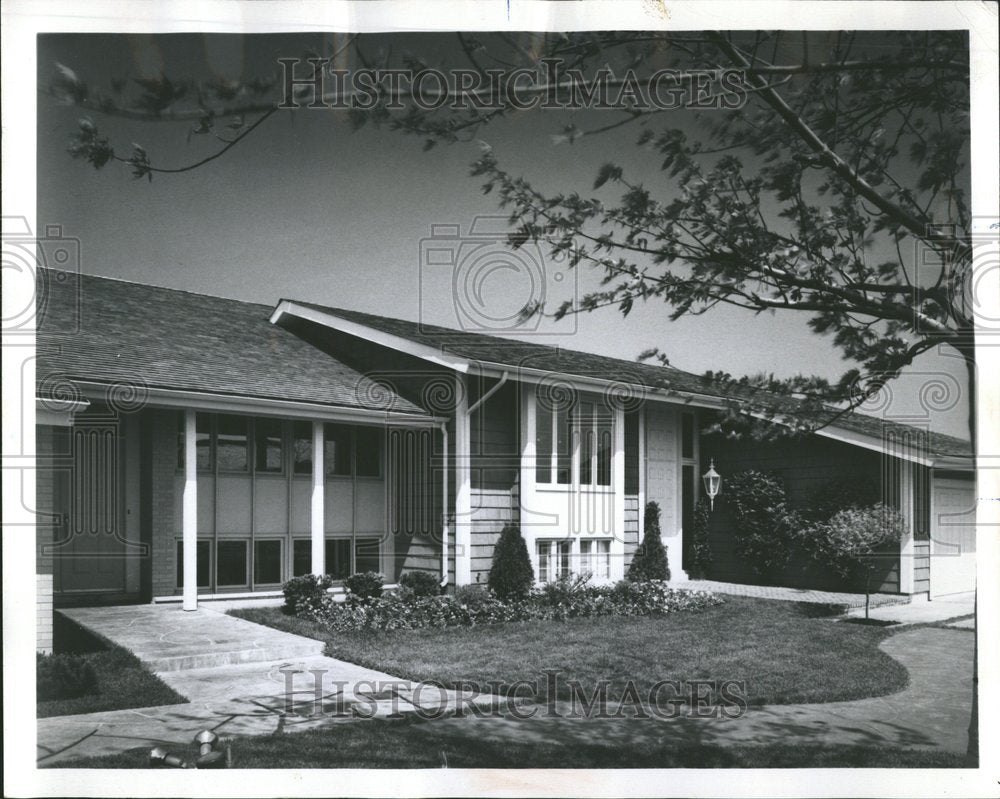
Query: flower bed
{"x": 473, "y": 606}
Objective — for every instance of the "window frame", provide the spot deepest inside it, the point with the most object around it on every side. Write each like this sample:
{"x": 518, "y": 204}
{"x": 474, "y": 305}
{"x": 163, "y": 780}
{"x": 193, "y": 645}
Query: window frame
{"x": 555, "y": 554}
{"x": 581, "y": 439}
{"x": 593, "y": 546}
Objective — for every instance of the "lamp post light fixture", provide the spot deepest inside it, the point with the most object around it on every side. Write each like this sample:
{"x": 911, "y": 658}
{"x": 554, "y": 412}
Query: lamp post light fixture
{"x": 713, "y": 482}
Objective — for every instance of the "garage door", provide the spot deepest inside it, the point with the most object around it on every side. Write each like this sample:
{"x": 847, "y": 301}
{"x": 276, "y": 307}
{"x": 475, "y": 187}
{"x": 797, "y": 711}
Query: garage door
{"x": 953, "y": 537}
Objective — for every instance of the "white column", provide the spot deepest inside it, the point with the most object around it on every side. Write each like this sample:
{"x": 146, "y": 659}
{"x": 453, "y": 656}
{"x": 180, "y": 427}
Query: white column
{"x": 317, "y": 517}
{"x": 445, "y": 565}
{"x": 189, "y": 518}
{"x": 526, "y": 496}
{"x": 618, "y": 484}
{"x": 463, "y": 486}
{"x": 906, "y": 474}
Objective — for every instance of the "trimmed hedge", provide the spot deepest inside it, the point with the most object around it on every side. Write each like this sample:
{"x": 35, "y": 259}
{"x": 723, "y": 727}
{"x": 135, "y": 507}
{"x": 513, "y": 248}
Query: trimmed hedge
{"x": 420, "y": 583}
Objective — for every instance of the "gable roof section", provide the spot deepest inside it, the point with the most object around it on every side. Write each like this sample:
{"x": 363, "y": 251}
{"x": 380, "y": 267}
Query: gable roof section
{"x": 114, "y": 332}
{"x": 459, "y": 349}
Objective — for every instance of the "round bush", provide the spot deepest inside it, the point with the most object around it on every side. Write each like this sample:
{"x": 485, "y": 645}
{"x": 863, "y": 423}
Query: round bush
{"x": 419, "y": 584}
{"x": 365, "y": 585}
{"x": 302, "y": 593}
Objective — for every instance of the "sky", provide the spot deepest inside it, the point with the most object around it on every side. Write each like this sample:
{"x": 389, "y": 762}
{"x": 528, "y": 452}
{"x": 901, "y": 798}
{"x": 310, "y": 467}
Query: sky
{"x": 306, "y": 208}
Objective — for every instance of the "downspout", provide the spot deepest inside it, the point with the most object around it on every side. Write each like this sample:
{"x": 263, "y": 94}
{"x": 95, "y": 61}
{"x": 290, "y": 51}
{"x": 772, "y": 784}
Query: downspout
{"x": 444, "y": 507}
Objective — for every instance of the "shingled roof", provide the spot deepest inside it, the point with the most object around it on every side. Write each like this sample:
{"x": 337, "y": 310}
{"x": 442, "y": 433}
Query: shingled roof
{"x": 107, "y": 331}
{"x": 519, "y": 354}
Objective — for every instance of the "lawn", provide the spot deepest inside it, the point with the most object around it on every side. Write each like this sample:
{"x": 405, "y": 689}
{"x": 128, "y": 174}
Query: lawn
{"x": 781, "y": 650}
{"x": 447, "y": 744}
{"x": 119, "y": 679}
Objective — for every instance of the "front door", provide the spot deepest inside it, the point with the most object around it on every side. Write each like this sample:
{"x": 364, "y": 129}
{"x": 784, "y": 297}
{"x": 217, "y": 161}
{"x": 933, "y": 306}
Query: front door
{"x": 89, "y": 551}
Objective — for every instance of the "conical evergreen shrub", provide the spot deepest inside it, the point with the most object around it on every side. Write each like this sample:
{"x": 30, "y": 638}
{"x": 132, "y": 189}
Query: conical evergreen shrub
{"x": 511, "y": 575}
{"x": 650, "y": 559}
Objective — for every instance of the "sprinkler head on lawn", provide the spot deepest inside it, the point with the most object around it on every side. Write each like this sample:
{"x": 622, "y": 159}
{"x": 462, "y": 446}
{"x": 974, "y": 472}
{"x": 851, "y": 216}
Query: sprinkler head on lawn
{"x": 211, "y": 760}
{"x": 206, "y": 741}
{"x": 158, "y": 756}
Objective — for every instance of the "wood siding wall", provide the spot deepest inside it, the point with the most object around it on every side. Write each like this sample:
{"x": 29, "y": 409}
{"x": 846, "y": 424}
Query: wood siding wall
{"x": 804, "y": 466}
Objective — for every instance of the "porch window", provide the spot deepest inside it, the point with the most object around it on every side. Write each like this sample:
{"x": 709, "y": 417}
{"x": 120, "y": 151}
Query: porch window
{"x": 368, "y": 451}
{"x": 203, "y": 550}
{"x": 302, "y": 448}
{"x": 337, "y": 450}
{"x": 268, "y": 445}
{"x": 553, "y": 559}
{"x": 595, "y": 557}
{"x": 367, "y": 556}
{"x": 231, "y": 563}
{"x": 231, "y": 443}
{"x": 203, "y": 441}
{"x": 266, "y": 562}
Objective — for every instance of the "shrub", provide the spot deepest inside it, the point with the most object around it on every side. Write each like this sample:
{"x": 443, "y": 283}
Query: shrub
{"x": 764, "y": 522}
{"x": 63, "y": 676}
{"x": 701, "y": 551}
{"x": 365, "y": 585}
{"x": 849, "y": 541}
{"x": 305, "y": 592}
{"x": 472, "y": 606}
{"x": 419, "y": 584}
{"x": 846, "y": 491}
{"x": 650, "y": 560}
{"x": 564, "y": 590}
{"x": 511, "y": 575}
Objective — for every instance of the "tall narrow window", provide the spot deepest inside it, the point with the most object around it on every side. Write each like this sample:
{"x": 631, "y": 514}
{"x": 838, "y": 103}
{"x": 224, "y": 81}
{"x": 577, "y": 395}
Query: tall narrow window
{"x": 564, "y": 447}
{"x": 338, "y": 558}
{"x": 602, "y": 432}
{"x": 231, "y": 443}
{"x": 366, "y": 555}
{"x": 302, "y": 448}
{"x": 543, "y": 443}
{"x": 337, "y": 450}
{"x": 585, "y": 429}
{"x": 267, "y": 437}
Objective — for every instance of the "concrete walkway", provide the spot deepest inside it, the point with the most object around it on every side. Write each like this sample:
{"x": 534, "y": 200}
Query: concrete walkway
{"x": 924, "y": 611}
{"x": 285, "y": 695}
{"x": 790, "y": 594}
{"x": 241, "y": 679}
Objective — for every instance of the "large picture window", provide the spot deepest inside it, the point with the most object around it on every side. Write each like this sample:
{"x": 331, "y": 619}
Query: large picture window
{"x": 302, "y": 448}
{"x": 339, "y": 565}
{"x": 231, "y": 563}
{"x": 562, "y": 433}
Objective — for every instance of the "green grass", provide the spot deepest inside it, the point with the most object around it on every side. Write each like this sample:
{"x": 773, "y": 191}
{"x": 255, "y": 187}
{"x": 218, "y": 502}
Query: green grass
{"x": 121, "y": 679}
{"x": 403, "y": 744}
{"x": 780, "y": 649}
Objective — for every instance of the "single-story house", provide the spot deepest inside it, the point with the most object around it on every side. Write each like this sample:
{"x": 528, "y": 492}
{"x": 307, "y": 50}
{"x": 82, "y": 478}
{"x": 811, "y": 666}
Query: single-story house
{"x": 191, "y": 447}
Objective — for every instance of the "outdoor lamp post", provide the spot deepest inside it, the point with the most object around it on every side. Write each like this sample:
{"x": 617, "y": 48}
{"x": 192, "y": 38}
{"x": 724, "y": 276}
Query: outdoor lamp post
{"x": 713, "y": 481}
